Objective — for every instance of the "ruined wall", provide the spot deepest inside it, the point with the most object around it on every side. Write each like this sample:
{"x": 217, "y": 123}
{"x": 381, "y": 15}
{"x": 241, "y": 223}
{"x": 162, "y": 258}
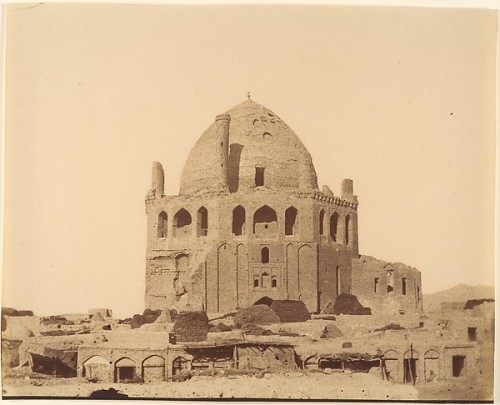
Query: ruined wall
{"x": 387, "y": 287}
{"x": 266, "y": 357}
{"x": 101, "y": 362}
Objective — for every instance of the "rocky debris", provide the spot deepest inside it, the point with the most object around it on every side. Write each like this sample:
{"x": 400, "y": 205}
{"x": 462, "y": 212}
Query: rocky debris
{"x": 290, "y": 310}
{"x": 390, "y": 326}
{"x": 474, "y": 302}
{"x": 191, "y": 326}
{"x": 347, "y": 304}
{"x": 137, "y": 321}
{"x": 220, "y": 327}
{"x": 97, "y": 317}
{"x": 167, "y": 316}
{"x": 148, "y": 316}
{"x": 256, "y": 315}
{"x": 110, "y": 393}
{"x": 58, "y": 332}
{"x": 55, "y": 320}
{"x": 330, "y": 331}
{"x": 255, "y": 330}
{"x": 265, "y": 301}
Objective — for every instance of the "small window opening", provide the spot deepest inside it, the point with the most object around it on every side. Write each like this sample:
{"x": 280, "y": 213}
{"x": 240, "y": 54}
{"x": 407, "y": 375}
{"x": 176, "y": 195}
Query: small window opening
{"x": 375, "y": 285}
{"x": 256, "y": 282}
{"x": 403, "y": 286}
{"x": 274, "y": 283}
{"x": 472, "y": 332}
{"x": 321, "y": 220}
{"x": 265, "y": 255}
{"x": 259, "y": 176}
{"x": 162, "y": 225}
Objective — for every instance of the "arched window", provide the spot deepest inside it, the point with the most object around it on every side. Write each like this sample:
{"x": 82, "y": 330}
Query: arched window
{"x": 334, "y": 220}
{"x": 182, "y": 224}
{"x": 264, "y": 253}
{"x": 346, "y": 232}
{"x": 274, "y": 282}
{"x": 162, "y": 224}
{"x": 202, "y": 222}
{"x": 290, "y": 221}
{"x": 238, "y": 220}
{"x": 265, "y": 221}
{"x": 321, "y": 220}
{"x": 256, "y": 282}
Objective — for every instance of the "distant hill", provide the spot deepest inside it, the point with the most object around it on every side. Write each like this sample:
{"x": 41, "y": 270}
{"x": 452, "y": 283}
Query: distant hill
{"x": 459, "y": 293}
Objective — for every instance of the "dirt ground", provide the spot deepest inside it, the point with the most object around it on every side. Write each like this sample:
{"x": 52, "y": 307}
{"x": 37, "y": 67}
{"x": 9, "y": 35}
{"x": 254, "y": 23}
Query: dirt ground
{"x": 279, "y": 385}
{"x": 465, "y": 390}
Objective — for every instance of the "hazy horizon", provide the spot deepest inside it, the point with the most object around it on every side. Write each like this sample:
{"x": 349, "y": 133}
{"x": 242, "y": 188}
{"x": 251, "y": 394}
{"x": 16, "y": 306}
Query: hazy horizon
{"x": 400, "y": 100}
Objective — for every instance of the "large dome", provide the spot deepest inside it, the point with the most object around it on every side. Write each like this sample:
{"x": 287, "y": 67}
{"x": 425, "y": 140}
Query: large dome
{"x": 258, "y": 138}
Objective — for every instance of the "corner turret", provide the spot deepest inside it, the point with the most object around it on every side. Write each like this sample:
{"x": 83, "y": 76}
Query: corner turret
{"x": 158, "y": 180}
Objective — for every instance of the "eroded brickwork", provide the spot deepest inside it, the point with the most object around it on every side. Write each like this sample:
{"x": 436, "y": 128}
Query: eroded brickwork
{"x": 249, "y": 221}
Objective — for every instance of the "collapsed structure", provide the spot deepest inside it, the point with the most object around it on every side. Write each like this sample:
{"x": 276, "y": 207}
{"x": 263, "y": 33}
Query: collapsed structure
{"x": 250, "y": 222}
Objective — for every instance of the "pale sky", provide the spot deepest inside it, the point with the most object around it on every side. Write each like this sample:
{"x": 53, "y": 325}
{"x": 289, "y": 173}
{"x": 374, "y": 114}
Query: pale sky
{"x": 400, "y": 100}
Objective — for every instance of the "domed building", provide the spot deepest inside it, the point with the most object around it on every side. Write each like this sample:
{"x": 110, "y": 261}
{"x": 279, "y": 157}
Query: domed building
{"x": 249, "y": 222}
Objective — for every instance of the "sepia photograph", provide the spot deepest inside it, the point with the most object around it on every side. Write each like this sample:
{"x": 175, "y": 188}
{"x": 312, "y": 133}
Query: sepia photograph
{"x": 249, "y": 202}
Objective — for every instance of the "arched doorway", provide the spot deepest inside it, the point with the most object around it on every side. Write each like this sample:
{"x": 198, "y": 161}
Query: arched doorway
{"x": 124, "y": 370}
{"x": 178, "y": 365}
{"x": 391, "y": 365}
{"x": 431, "y": 365}
{"x": 153, "y": 369}
{"x": 97, "y": 368}
{"x": 410, "y": 362}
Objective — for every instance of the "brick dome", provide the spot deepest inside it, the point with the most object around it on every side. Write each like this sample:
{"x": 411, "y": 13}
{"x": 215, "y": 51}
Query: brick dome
{"x": 258, "y": 138}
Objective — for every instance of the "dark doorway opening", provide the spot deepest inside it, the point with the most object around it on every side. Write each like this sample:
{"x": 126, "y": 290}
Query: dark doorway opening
{"x": 125, "y": 374}
{"x": 410, "y": 370}
{"x": 458, "y": 363}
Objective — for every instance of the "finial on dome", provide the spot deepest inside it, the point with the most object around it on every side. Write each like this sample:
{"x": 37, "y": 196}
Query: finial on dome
{"x": 248, "y": 95}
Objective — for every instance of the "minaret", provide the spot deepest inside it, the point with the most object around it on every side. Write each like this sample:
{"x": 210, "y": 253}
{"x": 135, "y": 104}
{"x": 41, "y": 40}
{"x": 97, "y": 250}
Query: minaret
{"x": 306, "y": 180}
{"x": 222, "y": 130}
{"x": 158, "y": 180}
{"x": 347, "y": 192}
